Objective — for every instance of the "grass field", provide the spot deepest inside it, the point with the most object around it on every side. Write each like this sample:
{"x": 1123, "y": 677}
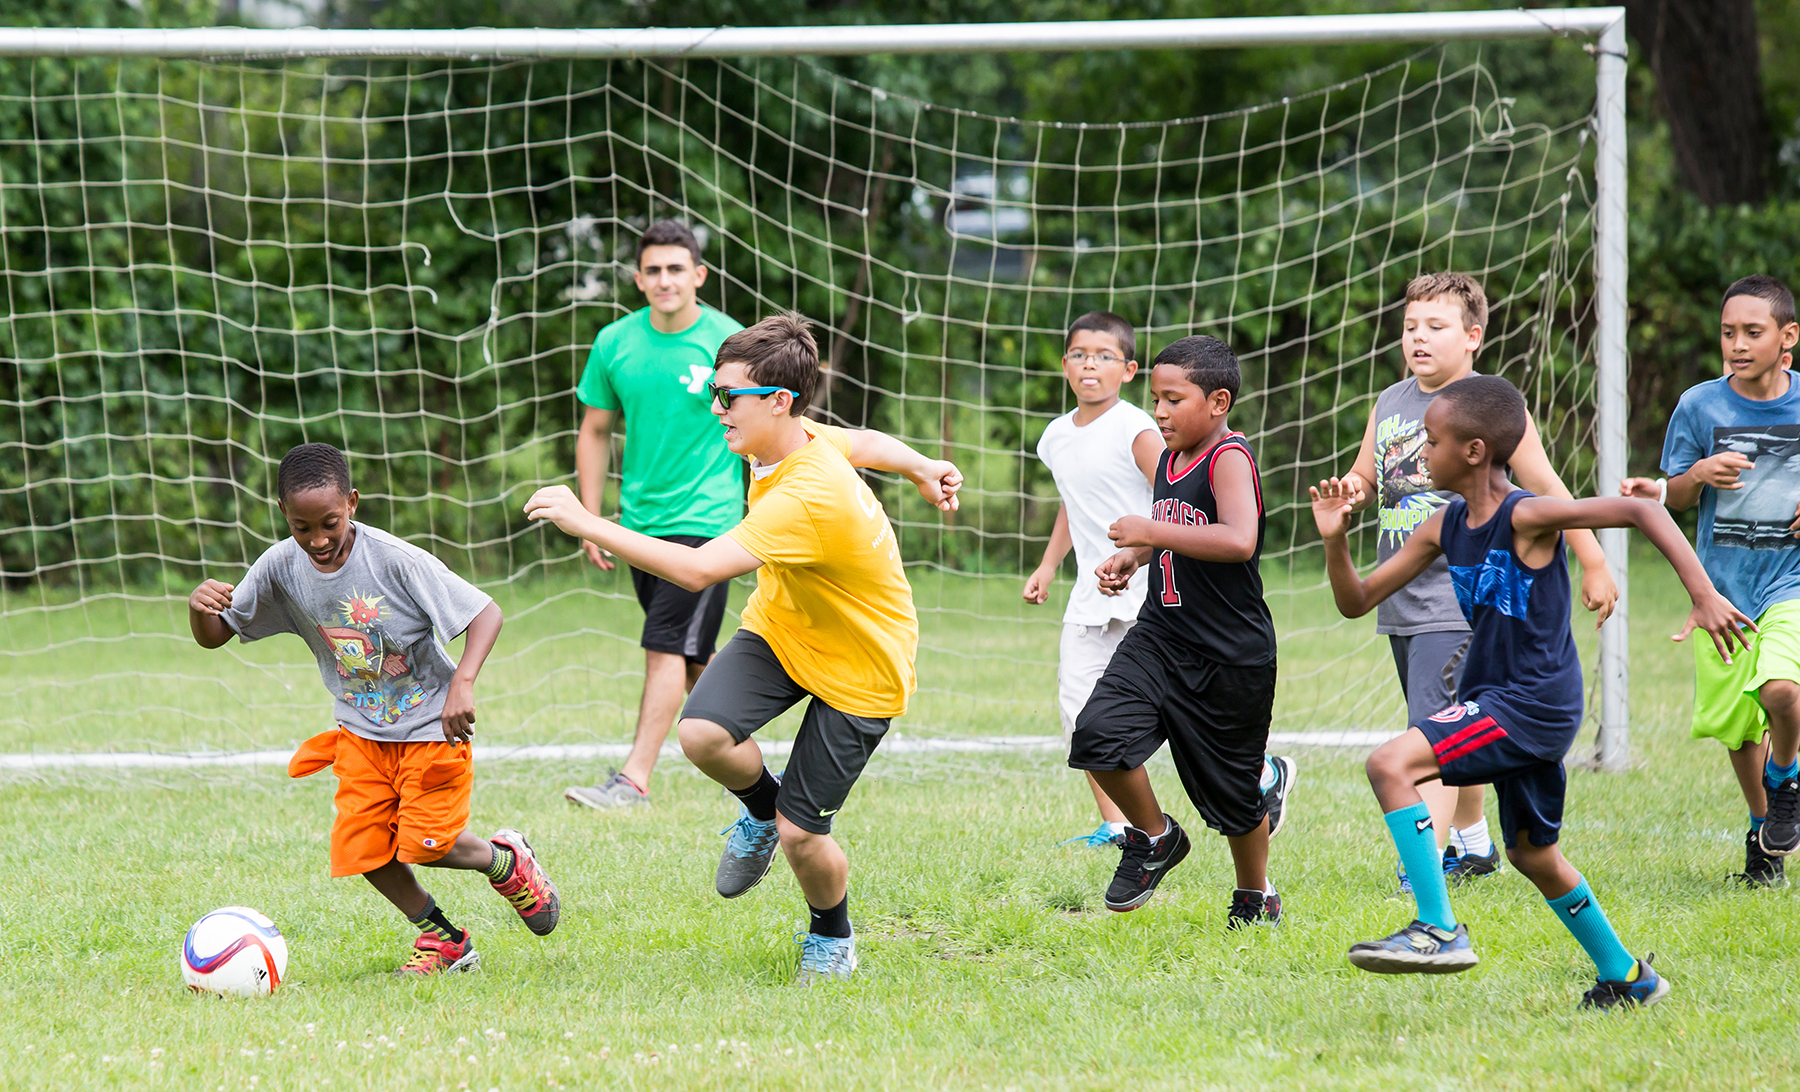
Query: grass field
{"x": 987, "y": 960}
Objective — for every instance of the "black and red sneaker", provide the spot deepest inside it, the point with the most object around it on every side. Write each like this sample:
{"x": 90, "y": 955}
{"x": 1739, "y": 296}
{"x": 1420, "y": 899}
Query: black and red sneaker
{"x": 1253, "y": 908}
{"x": 1143, "y": 863}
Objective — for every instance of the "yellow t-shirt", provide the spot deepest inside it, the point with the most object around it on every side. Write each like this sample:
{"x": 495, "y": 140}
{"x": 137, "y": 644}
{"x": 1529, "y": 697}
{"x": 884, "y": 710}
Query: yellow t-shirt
{"x": 831, "y": 597}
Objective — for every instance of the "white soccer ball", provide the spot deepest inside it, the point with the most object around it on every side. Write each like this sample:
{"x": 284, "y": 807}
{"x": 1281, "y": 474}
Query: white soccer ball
{"x": 234, "y": 952}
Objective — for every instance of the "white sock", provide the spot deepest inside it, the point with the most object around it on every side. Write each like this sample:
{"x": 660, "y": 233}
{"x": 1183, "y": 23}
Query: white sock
{"x": 1155, "y": 838}
{"x": 1268, "y": 888}
{"x": 1269, "y": 776}
{"x": 1114, "y": 828}
{"x": 1473, "y": 839}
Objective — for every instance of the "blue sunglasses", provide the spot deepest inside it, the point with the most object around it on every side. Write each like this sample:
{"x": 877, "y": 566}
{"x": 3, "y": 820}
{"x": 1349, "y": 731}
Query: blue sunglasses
{"x": 724, "y": 395}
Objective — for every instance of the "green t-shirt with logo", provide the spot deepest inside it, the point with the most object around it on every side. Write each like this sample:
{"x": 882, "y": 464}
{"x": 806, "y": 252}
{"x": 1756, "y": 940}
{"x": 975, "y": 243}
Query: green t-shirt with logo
{"x": 679, "y": 477}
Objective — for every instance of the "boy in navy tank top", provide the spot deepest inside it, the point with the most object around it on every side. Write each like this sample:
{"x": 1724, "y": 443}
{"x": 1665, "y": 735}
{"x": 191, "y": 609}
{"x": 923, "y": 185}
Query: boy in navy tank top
{"x": 1521, "y": 686}
{"x": 1198, "y": 668}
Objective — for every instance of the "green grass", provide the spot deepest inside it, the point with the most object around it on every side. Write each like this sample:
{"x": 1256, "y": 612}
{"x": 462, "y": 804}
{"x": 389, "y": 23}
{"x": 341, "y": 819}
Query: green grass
{"x": 987, "y": 961}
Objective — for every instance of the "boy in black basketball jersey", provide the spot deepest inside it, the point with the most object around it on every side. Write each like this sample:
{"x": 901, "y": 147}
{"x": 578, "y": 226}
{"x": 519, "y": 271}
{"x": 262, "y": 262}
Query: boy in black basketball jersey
{"x": 1198, "y": 669}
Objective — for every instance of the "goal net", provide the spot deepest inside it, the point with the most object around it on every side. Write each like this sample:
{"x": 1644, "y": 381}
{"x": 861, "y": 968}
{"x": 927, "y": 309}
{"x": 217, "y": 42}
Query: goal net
{"x": 206, "y": 263}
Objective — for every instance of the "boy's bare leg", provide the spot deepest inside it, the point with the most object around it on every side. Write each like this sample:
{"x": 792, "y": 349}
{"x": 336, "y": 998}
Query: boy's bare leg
{"x": 399, "y": 886}
{"x": 1131, "y": 791}
{"x": 737, "y": 766}
{"x": 470, "y": 851}
{"x": 667, "y": 679}
{"x": 1747, "y": 763}
{"x": 1399, "y": 768}
{"x": 1545, "y": 866}
{"x": 1250, "y": 857}
{"x": 1109, "y": 811}
{"x": 1442, "y": 801}
{"x": 1469, "y": 801}
{"x": 1781, "y": 700}
{"x": 818, "y": 863}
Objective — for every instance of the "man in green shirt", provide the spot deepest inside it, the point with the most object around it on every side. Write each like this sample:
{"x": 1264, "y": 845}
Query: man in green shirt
{"x": 679, "y": 481}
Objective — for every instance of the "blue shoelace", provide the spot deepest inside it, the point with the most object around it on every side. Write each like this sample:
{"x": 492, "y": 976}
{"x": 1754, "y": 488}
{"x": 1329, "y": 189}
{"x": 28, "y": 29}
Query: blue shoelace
{"x": 1102, "y": 836}
{"x": 821, "y": 954}
{"x": 749, "y": 837}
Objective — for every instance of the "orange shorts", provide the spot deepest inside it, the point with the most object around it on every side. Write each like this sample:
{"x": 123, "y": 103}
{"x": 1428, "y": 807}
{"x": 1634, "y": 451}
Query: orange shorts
{"x": 394, "y": 800}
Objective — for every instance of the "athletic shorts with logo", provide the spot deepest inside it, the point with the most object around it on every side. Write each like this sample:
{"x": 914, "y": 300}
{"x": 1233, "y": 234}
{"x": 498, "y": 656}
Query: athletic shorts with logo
{"x": 678, "y": 621}
{"x": 1214, "y": 716}
{"x": 745, "y": 687}
{"x": 395, "y": 801}
{"x": 1429, "y": 665}
{"x": 1474, "y": 747}
{"x": 1082, "y": 658}
{"x": 1726, "y": 707}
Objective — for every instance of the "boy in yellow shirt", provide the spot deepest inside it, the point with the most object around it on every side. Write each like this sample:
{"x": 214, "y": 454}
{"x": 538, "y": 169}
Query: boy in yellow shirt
{"x": 831, "y": 619}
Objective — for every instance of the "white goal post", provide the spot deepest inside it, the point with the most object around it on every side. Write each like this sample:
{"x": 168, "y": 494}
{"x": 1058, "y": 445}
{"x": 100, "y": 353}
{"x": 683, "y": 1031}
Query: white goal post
{"x": 1602, "y": 27}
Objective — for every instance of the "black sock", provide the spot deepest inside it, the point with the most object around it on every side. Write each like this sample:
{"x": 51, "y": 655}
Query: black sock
{"x": 759, "y": 799}
{"x": 834, "y": 922}
{"x": 433, "y": 919}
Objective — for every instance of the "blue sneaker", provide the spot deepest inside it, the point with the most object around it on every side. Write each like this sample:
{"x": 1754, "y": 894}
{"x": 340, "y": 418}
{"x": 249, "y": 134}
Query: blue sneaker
{"x": 1104, "y": 835}
{"x": 1405, "y": 882}
{"x": 748, "y": 855}
{"x": 1647, "y": 989}
{"x": 825, "y": 959}
{"x": 1417, "y": 949}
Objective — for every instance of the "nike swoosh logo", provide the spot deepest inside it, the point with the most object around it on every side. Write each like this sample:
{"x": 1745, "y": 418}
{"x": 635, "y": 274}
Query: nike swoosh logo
{"x": 1423, "y": 825}
{"x": 829, "y": 814}
{"x": 1578, "y": 907}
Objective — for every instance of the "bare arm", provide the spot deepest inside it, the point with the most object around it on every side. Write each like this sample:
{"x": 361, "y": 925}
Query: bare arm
{"x": 937, "y": 479}
{"x": 1531, "y": 469}
{"x": 1362, "y": 471}
{"x": 1037, "y": 586}
{"x": 1233, "y": 538}
{"x": 1333, "y": 501}
{"x": 204, "y": 607}
{"x": 692, "y": 567}
{"x": 593, "y": 451}
{"x": 1146, "y": 452}
{"x": 459, "y": 704}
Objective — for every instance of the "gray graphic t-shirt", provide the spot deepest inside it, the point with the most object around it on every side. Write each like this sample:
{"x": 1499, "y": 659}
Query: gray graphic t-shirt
{"x": 1405, "y": 500}
{"x": 377, "y": 627}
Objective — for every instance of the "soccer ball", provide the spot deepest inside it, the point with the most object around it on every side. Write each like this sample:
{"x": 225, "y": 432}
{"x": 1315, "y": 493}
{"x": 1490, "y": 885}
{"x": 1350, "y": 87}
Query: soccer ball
{"x": 234, "y": 952}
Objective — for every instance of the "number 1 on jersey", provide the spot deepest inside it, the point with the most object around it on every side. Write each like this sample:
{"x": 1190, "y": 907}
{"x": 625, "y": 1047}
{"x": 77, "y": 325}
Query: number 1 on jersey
{"x": 1170, "y": 596}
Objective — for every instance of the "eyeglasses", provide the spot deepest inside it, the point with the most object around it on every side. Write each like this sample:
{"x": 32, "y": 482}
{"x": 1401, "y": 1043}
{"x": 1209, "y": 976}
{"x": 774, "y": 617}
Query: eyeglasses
{"x": 724, "y": 395}
{"x": 1079, "y": 358}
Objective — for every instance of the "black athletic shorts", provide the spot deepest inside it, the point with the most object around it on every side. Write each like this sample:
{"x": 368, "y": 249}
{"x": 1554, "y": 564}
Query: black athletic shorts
{"x": 1474, "y": 747}
{"x": 745, "y": 687}
{"x": 1214, "y": 716}
{"x": 678, "y": 621}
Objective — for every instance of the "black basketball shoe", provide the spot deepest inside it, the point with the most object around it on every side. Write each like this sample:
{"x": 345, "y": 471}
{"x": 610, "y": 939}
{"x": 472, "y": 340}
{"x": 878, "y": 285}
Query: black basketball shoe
{"x": 1781, "y": 830}
{"x": 1253, "y": 908}
{"x": 1143, "y": 865}
{"x": 1460, "y": 868}
{"x": 1760, "y": 869}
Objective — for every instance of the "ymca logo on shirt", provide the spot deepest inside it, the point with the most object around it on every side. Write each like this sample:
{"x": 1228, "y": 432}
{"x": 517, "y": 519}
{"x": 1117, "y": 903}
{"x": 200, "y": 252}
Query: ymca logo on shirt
{"x": 696, "y": 379}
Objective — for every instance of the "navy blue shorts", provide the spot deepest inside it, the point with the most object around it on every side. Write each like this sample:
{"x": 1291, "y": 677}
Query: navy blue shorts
{"x": 1473, "y": 747}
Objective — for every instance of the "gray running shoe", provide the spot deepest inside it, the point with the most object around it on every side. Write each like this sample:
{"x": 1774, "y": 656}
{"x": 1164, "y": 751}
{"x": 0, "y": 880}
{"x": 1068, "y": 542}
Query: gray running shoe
{"x": 617, "y": 791}
{"x": 748, "y": 854}
{"x": 825, "y": 959}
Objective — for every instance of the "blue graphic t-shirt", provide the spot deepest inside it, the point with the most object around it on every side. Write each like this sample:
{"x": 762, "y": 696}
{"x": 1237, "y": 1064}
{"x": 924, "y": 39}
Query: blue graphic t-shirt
{"x": 1744, "y": 542}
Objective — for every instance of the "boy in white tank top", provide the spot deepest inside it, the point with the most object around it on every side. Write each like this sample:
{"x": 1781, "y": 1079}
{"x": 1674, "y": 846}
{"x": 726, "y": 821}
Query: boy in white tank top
{"x": 1103, "y": 455}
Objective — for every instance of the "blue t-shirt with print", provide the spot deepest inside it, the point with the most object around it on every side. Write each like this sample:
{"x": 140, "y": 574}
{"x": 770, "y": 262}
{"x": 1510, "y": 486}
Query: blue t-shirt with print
{"x": 1744, "y": 541}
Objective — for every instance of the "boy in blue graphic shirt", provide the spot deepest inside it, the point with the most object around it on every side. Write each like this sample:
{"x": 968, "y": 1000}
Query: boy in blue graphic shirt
{"x": 1731, "y": 448}
{"x": 1521, "y": 688}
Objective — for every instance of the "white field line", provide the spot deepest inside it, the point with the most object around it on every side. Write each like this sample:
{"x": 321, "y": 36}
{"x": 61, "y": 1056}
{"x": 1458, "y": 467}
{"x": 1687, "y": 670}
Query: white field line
{"x": 577, "y": 752}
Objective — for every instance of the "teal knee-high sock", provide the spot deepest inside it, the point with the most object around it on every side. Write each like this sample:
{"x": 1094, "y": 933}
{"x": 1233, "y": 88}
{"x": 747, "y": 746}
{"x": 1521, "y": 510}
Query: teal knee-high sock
{"x": 1417, "y": 843}
{"x": 1582, "y": 915}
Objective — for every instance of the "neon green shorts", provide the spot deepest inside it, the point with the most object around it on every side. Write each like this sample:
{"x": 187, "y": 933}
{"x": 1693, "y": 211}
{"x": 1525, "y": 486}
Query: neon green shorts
{"x": 1725, "y": 703}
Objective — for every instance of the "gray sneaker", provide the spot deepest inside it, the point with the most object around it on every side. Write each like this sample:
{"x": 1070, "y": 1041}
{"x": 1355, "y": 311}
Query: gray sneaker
{"x": 748, "y": 854}
{"x": 825, "y": 959}
{"x": 617, "y": 791}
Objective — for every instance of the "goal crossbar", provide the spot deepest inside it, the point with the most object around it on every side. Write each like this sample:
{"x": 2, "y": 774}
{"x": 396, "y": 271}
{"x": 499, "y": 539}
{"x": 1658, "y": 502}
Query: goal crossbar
{"x": 1605, "y": 25}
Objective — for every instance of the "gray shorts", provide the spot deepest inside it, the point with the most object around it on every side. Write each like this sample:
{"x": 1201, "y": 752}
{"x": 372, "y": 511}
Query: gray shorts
{"x": 745, "y": 687}
{"x": 1430, "y": 667}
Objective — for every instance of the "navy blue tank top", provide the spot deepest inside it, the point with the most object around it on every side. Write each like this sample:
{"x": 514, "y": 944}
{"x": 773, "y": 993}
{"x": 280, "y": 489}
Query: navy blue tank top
{"x": 1215, "y": 607}
{"x": 1521, "y": 666}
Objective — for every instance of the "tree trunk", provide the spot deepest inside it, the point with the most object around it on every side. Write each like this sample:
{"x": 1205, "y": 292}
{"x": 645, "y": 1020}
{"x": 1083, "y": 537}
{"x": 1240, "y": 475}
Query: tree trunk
{"x": 1704, "y": 55}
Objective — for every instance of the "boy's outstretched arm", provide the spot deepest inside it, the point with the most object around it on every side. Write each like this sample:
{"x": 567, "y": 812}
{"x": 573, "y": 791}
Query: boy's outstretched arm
{"x": 1233, "y": 538}
{"x": 937, "y": 479}
{"x": 208, "y": 601}
{"x": 459, "y": 704}
{"x": 1712, "y": 612}
{"x": 1037, "y": 585}
{"x": 1361, "y": 474}
{"x": 1333, "y": 501}
{"x": 692, "y": 567}
{"x": 1531, "y": 469}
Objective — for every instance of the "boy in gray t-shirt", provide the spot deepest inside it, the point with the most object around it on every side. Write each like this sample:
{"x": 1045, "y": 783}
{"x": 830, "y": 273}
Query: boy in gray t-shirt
{"x": 376, "y": 611}
{"x": 1446, "y": 316}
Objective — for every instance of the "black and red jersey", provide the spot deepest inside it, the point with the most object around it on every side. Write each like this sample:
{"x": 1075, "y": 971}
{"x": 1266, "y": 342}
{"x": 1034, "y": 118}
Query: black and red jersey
{"x": 1214, "y": 606}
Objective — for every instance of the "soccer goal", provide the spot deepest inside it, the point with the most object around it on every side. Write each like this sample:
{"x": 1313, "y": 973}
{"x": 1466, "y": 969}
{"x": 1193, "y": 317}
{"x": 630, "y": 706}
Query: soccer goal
{"x": 218, "y": 243}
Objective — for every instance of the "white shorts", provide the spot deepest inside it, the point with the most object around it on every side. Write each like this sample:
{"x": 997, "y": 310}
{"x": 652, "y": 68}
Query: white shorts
{"x": 1085, "y": 652}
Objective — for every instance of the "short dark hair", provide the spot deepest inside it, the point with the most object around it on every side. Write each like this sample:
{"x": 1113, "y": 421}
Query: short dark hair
{"x": 1105, "y": 322}
{"x": 312, "y": 466}
{"x": 668, "y": 233}
{"x": 1489, "y": 409}
{"x": 1767, "y": 289}
{"x": 779, "y": 351}
{"x": 1209, "y": 363}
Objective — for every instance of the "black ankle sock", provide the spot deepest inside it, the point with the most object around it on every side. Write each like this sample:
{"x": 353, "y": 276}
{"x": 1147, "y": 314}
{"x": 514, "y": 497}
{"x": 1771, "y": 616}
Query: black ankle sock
{"x": 834, "y": 922}
{"x": 433, "y": 919}
{"x": 759, "y": 799}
